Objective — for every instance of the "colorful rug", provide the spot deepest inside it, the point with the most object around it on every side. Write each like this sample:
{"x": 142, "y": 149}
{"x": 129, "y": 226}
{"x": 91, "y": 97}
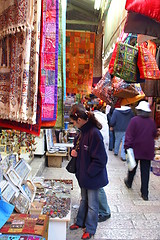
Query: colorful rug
{"x": 79, "y": 61}
{"x": 27, "y": 224}
{"x": 49, "y": 60}
{"x": 20, "y": 237}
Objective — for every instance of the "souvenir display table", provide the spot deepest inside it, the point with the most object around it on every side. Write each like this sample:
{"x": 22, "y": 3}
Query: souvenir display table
{"x": 57, "y": 227}
{"x": 55, "y": 194}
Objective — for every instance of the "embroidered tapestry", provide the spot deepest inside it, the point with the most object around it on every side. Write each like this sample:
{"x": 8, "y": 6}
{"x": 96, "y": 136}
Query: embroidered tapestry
{"x": 79, "y": 61}
{"x": 27, "y": 224}
{"x": 15, "y": 16}
{"x": 49, "y": 60}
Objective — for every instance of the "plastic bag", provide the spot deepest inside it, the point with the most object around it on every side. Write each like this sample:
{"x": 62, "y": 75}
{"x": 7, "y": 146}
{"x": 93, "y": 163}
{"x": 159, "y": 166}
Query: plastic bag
{"x": 130, "y": 159}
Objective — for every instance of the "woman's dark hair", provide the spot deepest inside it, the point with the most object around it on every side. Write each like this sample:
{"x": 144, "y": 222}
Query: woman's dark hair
{"x": 79, "y": 111}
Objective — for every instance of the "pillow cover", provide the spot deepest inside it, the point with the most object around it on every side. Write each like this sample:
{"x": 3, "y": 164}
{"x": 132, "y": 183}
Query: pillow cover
{"x": 139, "y": 24}
{"x": 148, "y": 8}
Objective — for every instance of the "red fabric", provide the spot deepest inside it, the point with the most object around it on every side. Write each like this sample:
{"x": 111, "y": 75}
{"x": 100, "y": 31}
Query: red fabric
{"x": 111, "y": 63}
{"x": 147, "y": 64}
{"x": 148, "y": 8}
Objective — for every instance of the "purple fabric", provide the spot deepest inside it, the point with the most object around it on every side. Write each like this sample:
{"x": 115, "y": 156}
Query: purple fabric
{"x": 49, "y": 59}
{"x": 140, "y": 136}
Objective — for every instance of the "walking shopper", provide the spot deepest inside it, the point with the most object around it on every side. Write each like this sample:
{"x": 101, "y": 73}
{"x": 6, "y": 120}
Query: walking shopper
{"x": 119, "y": 121}
{"x": 111, "y": 130}
{"x": 104, "y": 209}
{"x": 91, "y": 159}
{"x": 140, "y": 136}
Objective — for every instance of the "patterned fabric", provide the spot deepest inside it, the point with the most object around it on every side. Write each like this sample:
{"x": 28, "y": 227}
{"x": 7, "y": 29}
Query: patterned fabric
{"x": 15, "y": 16}
{"x": 49, "y": 60}
{"x": 63, "y": 30}
{"x": 20, "y": 92}
{"x": 20, "y": 237}
{"x": 125, "y": 66}
{"x": 147, "y": 64}
{"x": 97, "y": 69}
{"x": 20, "y": 98}
{"x": 27, "y": 224}
{"x": 79, "y": 61}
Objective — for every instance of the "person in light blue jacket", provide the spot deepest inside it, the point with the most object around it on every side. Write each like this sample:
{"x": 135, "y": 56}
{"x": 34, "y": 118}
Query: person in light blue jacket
{"x": 119, "y": 121}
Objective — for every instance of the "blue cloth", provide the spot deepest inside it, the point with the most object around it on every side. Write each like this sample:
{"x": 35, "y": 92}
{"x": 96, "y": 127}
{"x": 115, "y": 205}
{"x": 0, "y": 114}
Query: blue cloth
{"x": 121, "y": 118}
{"x": 104, "y": 209}
{"x": 88, "y": 210}
{"x": 140, "y": 136}
{"x": 119, "y": 137}
{"x": 6, "y": 210}
{"x": 91, "y": 161}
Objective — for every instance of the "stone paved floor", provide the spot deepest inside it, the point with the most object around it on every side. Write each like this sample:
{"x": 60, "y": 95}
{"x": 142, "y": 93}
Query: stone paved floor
{"x": 131, "y": 217}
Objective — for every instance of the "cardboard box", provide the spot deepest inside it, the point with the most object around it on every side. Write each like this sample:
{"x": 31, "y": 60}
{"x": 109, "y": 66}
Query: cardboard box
{"x": 55, "y": 159}
{"x": 36, "y": 208}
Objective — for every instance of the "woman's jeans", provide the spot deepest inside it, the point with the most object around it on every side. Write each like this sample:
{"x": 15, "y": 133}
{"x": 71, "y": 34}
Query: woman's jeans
{"x": 111, "y": 140}
{"x": 104, "y": 209}
{"x": 119, "y": 136}
{"x": 88, "y": 210}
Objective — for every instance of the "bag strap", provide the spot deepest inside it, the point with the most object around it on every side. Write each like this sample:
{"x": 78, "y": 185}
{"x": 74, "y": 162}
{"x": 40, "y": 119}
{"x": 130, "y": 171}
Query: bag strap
{"x": 77, "y": 143}
{"x": 129, "y": 37}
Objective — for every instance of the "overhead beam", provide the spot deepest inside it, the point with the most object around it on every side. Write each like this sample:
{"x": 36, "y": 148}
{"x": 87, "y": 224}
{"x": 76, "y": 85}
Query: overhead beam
{"x": 82, "y": 22}
{"x": 71, "y": 7}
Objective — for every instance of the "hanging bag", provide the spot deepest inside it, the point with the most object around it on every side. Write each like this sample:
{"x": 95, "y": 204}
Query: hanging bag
{"x": 123, "y": 89}
{"x": 123, "y": 63}
{"x": 71, "y": 166}
{"x": 147, "y": 64}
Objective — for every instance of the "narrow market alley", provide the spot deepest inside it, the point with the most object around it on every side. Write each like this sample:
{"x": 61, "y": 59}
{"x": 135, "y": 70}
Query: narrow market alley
{"x": 131, "y": 216}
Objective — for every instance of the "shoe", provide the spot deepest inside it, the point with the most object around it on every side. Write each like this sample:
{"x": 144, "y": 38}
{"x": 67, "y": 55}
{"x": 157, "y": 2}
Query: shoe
{"x": 126, "y": 183}
{"x": 115, "y": 154}
{"x": 103, "y": 218}
{"x": 74, "y": 227}
{"x": 145, "y": 198}
{"x": 86, "y": 235}
{"x": 123, "y": 159}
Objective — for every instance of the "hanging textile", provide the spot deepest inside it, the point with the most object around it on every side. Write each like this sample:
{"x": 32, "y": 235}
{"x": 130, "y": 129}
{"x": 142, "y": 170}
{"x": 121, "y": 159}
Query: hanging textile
{"x": 97, "y": 69}
{"x": 49, "y": 60}
{"x": 63, "y": 13}
{"x": 20, "y": 96}
{"x": 59, "y": 120}
{"x": 15, "y": 16}
{"x": 19, "y": 50}
{"x": 79, "y": 61}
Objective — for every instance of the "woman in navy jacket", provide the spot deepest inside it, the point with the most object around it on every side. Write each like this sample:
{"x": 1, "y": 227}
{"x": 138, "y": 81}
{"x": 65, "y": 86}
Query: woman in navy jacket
{"x": 90, "y": 168}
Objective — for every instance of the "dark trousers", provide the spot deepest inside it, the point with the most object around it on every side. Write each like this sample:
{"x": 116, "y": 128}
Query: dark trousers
{"x": 145, "y": 166}
{"x": 111, "y": 140}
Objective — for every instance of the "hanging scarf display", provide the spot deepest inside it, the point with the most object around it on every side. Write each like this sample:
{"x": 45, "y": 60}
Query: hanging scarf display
{"x": 21, "y": 99}
{"x": 16, "y": 16}
{"x": 49, "y": 60}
